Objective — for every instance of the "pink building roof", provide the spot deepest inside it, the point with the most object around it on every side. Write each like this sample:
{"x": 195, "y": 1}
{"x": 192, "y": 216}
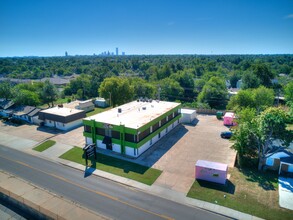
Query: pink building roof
{"x": 212, "y": 165}
{"x": 229, "y": 114}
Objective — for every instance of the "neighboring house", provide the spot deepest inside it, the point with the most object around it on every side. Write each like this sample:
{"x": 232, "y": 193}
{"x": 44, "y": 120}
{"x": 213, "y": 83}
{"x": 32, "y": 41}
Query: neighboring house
{"x": 132, "y": 128}
{"x": 62, "y": 118}
{"x": 274, "y": 161}
{"x": 87, "y": 106}
{"x": 27, "y": 113}
{"x": 232, "y": 92}
{"x": 5, "y": 107}
{"x": 33, "y": 116}
{"x": 101, "y": 102}
{"x": 239, "y": 84}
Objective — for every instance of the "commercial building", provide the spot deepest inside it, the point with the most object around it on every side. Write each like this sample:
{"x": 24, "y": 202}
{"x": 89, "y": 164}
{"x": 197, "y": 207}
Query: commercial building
{"x": 62, "y": 118}
{"x": 132, "y": 128}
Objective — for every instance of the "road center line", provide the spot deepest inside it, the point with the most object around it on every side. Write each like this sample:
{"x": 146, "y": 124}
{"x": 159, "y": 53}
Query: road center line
{"x": 94, "y": 191}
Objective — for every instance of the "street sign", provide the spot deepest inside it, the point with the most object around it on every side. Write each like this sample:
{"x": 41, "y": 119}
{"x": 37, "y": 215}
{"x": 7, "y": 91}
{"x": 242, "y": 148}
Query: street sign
{"x": 89, "y": 150}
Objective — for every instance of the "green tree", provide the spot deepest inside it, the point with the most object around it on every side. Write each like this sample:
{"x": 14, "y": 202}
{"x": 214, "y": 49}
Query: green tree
{"x": 245, "y": 143}
{"x": 263, "y": 98}
{"x": 117, "y": 90}
{"x": 243, "y": 99}
{"x": 49, "y": 93}
{"x": 214, "y": 93}
{"x": 234, "y": 77}
{"x": 259, "y": 99}
{"x": 5, "y": 90}
{"x": 26, "y": 97}
{"x": 186, "y": 81}
{"x": 289, "y": 92}
{"x": 170, "y": 89}
{"x": 253, "y": 138}
{"x": 249, "y": 80}
{"x": 142, "y": 88}
{"x": 246, "y": 115}
{"x": 272, "y": 125}
{"x": 264, "y": 73}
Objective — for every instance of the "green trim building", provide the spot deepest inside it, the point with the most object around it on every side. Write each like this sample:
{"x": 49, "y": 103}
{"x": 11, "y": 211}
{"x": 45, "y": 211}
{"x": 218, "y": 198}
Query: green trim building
{"x": 132, "y": 128}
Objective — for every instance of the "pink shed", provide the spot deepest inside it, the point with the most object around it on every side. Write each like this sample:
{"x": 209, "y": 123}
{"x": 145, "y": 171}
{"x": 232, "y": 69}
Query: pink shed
{"x": 211, "y": 171}
{"x": 229, "y": 118}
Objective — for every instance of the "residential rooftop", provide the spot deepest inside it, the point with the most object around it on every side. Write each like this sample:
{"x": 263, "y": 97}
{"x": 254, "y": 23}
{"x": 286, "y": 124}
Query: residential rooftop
{"x": 134, "y": 114}
{"x": 61, "y": 111}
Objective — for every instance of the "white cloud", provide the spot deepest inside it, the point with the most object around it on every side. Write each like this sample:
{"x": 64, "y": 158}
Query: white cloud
{"x": 290, "y": 16}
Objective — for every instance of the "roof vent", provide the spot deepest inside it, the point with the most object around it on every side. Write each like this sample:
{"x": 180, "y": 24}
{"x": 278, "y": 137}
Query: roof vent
{"x": 119, "y": 110}
{"x": 144, "y": 108}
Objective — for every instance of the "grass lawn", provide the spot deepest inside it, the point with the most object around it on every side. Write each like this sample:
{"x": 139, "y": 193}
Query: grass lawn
{"x": 44, "y": 146}
{"x": 116, "y": 166}
{"x": 96, "y": 111}
{"x": 248, "y": 191}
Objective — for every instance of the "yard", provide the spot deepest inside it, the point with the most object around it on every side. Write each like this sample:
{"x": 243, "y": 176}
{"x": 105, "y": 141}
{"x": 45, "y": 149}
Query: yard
{"x": 44, "y": 146}
{"x": 115, "y": 166}
{"x": 248, "y": 191}
{"x": 96, "y": 111}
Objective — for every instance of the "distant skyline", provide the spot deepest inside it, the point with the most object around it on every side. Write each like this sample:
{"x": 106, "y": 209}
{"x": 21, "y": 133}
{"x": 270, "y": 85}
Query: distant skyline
{"x": 86, "y": 27}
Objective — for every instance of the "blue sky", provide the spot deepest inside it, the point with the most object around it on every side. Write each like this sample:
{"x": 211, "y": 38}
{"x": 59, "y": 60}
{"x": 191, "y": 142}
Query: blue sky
{"x": 84, "y": 27}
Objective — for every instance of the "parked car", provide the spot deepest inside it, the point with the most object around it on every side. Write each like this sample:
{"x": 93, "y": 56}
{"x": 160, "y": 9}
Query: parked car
{"x": 226, "y": 134}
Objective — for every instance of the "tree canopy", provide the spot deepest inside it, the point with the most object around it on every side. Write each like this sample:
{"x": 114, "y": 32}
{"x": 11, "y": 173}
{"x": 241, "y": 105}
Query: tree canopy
{"x": 117, "y": 90}
{"x": 214, "y": 93}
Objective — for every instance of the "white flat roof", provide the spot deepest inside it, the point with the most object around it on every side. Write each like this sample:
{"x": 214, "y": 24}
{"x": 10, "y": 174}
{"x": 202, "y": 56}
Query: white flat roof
{"x": 133, "y": 115}
{"x": 229, "y": 114}
{"x": 212, "y": 165}
{"x": 61, "y": 111}
{"x": 187, "y": 111}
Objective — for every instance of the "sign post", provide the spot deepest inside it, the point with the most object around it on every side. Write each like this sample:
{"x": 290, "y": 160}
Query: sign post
{"x": 89, "y": 151}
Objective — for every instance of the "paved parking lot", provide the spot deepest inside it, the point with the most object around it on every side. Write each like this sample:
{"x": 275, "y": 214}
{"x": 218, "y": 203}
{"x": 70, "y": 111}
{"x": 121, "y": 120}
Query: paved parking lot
{"x": 30, "y": 132}
{"x": 74, "y": 137}
{"x": 177, "y": 153}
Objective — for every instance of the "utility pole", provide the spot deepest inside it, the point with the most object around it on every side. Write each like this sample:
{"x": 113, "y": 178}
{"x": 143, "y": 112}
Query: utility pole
{"x": 110, "y": 98}
{"x": 159, "y": 92}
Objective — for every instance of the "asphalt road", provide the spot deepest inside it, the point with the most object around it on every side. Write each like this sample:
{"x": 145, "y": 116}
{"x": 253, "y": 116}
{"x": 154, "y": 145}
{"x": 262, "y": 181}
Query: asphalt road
{"x": 98, "y": 194}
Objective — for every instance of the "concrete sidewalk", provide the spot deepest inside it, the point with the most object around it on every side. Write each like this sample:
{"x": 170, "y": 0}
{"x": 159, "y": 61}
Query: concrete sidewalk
{"x": 56, "y": 150}
{"x": 32, "y": 197}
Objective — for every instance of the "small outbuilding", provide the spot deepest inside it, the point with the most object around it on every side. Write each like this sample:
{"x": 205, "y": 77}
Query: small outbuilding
{"x": 229, "y": 119}
{"x": 101, "y": 102}
{"x": 62, "y": 118}
{"x": 87, "y": 106}
{"x": 188, "y": 116}
{"x": 211, "y": 171}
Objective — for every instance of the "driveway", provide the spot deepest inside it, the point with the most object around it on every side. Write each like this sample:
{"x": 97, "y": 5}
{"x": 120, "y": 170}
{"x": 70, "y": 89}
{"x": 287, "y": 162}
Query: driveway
{"x": 286, "y": 192}
{"x": 177, "y": 153}
{"x": 74, "y": 137}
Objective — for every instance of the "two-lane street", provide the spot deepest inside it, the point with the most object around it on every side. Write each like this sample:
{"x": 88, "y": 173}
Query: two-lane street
{"x": 98, "y": 194}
